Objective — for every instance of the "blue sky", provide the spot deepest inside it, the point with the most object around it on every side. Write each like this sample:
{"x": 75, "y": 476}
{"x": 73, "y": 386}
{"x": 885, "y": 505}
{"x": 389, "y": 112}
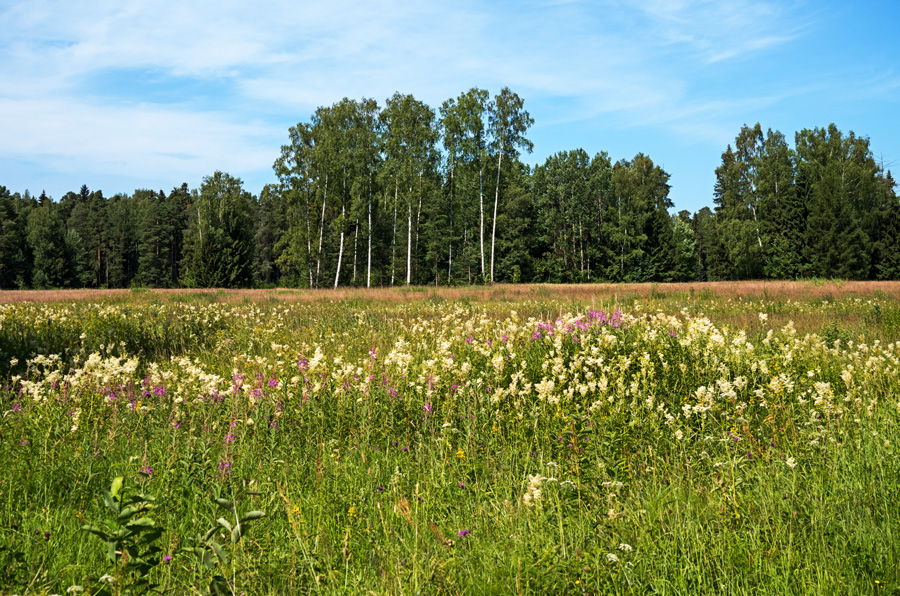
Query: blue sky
{"x": 125, "y": 94}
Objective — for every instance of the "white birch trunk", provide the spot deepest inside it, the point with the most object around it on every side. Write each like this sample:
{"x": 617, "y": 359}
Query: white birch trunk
{"x": 394, "y": 237}
{"x": 481, "y": 211}
{"x": 409, "y": 238}
{"x": 355, "y": 244}
{"x": 337, "y": 275}
{"x": 450, "y": 250}
{"x": 496, "y": 200}
{"x": 321, "y": 232}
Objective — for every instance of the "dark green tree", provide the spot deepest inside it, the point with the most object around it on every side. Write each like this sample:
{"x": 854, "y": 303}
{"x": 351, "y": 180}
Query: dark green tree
{"x": 219, "y": 239}
{"x": 14, "y": 266}
{"x": 831, "y": 174}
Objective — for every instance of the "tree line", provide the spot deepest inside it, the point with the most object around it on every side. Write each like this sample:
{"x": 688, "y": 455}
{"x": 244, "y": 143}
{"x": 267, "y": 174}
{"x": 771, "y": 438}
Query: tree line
{"x": 405, "y": 194}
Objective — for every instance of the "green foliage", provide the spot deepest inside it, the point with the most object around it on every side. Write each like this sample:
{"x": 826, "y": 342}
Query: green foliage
{"x": 131, "y": 537}
{"x": 396, "y": 195}
{"x": 219, "y": 239}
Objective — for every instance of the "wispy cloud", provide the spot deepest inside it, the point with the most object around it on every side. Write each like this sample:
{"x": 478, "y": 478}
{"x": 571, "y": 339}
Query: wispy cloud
{"x": 177, "y": 89}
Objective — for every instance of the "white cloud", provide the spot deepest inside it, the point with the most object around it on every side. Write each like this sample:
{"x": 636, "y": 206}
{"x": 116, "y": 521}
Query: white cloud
{"x": 146, "y": 141}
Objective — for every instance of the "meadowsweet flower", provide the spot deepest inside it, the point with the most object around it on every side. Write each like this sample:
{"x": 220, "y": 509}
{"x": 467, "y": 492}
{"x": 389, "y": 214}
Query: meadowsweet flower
{"x": 625, "y": 547}
{"x": 612, "y": 558}
{"x": 533, "y": 492}
{"x": 791, "y": 463}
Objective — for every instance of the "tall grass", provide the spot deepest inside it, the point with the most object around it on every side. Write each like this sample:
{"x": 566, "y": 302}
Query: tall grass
{"x": 453, "y": 446}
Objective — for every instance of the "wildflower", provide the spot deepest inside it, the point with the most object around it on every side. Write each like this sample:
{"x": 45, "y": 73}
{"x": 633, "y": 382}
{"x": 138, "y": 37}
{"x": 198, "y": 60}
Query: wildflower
{"x": 167, "y": 558}
{"x": 74, "y": 589}
{"x": 611, "y": 558}
{"x": 678, "y": 434}
{"x": 380, "y": 489}
{"x": 625, "y": 547}
{"x": 791, "y": 463}
{"x": 533, "y": 492}
{"x": 464, "y": 533}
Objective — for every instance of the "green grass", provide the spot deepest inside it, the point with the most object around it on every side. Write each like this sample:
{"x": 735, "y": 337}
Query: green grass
{"x": 422, "y": 479}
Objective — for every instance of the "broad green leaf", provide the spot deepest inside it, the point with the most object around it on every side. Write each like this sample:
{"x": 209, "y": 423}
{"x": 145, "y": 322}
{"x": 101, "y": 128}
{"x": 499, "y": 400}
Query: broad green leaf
{"x": 95, "y": 531}
{"x": 220, "y": 552}
{"x": 226, "y": 504}
{"x": 252, "y": 515}
{"x": 127, "y": 513}
{"x": 236, "y": 534}
{"x": 116, "y": 486}
{"x": 224, "y": 523}
{"x": 141, "y": 523}
{"x": 110, "y": 502}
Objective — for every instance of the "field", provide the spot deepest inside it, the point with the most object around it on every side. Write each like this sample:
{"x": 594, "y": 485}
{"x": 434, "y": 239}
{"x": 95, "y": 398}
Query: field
{"x": 605, "y": 439}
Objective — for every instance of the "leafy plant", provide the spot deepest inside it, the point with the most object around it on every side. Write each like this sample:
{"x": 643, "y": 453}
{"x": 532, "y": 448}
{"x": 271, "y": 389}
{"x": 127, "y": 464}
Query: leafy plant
{"x": 212, "y": 554}
{"x": 130, "y": 537}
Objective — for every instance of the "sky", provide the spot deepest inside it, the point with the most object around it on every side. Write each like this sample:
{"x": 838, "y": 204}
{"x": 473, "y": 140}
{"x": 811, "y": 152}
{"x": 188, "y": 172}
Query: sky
{"x": 121, "y": 95}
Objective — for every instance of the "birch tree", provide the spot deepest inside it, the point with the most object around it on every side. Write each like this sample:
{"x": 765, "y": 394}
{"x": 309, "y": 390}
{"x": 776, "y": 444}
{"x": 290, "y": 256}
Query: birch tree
{"x": 509, "y": 121}
{"x": 409, "y": 139}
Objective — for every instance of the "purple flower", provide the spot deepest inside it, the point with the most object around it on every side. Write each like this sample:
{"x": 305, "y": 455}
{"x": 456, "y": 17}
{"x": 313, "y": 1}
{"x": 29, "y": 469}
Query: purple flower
{"x": 380, "y": 489}
{"x": 46, "y": 535}
{"x": 147, "y": 471}
{"x": 427, "y": 408}
{"x": 167, "y": 558}
{"x": 464, "y": 533}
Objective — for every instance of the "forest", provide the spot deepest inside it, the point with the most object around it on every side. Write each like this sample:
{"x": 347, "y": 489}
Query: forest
{"x": 370, "y": 195}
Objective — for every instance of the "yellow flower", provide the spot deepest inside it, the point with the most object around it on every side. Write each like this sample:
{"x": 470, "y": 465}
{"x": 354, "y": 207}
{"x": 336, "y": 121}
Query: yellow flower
{"x": 460, "y": 454}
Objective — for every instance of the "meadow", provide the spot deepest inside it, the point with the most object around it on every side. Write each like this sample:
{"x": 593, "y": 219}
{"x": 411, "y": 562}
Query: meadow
{"x": 614, "y": 439}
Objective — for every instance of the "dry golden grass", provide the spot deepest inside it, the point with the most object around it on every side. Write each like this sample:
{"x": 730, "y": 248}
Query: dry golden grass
{"x": 773, "y": 290}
